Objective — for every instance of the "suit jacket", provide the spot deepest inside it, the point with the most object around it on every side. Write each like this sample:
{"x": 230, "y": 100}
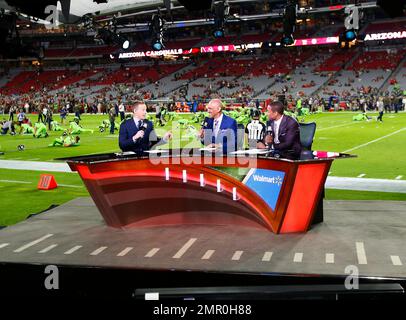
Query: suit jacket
{"x": 288, "y": 136}
{"x": 128, "y": 129}
{"x": 227, "y": 133}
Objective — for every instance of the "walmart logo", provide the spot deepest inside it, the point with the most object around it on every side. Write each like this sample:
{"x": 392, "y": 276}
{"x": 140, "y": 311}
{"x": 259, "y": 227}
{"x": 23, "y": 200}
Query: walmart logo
{"x": 273, "y": 180}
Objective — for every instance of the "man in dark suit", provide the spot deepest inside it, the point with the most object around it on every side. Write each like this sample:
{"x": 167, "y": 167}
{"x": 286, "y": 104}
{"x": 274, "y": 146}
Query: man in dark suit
{"x": 137, "y": 134}
{"x": 218, "y": 130}
{"x": 283, "y": 133}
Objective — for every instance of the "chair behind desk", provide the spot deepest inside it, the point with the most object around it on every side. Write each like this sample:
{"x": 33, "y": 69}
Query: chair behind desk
{"x": 307, "y": 131}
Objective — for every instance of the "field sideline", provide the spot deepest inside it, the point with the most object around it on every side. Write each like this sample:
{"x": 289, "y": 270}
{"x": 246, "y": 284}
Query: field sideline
{"x": 380, "y": 148}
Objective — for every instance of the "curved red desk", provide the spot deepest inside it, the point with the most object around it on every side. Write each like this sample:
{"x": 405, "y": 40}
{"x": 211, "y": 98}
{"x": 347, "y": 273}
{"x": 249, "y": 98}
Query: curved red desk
{"x": 280, "y": 195}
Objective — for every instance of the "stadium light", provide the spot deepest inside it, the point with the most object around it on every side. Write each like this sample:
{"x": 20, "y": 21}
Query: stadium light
{"x": 218, "y": 33}
{"x": 287, "y": 40}
{"x": 351, "y": 23}
{"x": 221, "y": 10}
{"x": 289, "y": 23}
{"x": 106, "y": 36}
{"x": 350, "y": 35}
{"x": 126, "y": 44}
{"x": 157, "y": 28}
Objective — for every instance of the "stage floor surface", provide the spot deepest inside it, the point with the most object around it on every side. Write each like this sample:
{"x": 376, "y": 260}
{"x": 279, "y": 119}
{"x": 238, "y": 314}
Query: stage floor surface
{"x": 368, "y": 234}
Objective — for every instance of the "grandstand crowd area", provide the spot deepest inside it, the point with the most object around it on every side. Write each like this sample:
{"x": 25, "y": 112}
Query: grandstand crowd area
{"x": 323, "y": 77}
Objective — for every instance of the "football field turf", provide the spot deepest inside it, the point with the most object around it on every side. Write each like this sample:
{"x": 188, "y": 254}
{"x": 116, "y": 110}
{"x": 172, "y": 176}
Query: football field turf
{"x": 380, "y": 147}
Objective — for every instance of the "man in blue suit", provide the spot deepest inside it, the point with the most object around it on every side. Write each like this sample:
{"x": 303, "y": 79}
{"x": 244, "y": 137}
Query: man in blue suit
{"x": 219, "y": 130}
{"x": 137, "y": 134}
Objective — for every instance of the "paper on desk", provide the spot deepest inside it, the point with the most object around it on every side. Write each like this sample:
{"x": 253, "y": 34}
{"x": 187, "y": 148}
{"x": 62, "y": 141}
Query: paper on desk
{"x": 208, "y": 149}
{"x": 156, "y": 151}
{"x": 251, "y": 151}
{"x": 126, "y": 153}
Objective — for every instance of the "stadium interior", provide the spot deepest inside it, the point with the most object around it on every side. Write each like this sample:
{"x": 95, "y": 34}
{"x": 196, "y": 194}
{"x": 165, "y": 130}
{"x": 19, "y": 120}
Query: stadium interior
{"x": 328, "y": 61}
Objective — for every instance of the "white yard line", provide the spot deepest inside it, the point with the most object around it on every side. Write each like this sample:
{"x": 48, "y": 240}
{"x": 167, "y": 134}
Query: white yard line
{"x": 151, "y": 253}
{"x": 298, "y": 257}
{"x": 267, "y": 256}
{"x": 33, "y": 243}
{"x": 396, "y": 261}
{"x": 185, "y": 248}
{"x": 47, "y": 249}
{"x": 124, "y": 252}
{"x": 15, "y": 181}
{"x": 373, "y": 141}
{"x": 208, "y": 254}
{"x": 72, "y": 250}
{"x": 237, "y": 255}
{"x": 329, "y": 257}
{"x": 98, "y": 251}
{"x": 337, "y": 126}
{"x": 361, "y": 255}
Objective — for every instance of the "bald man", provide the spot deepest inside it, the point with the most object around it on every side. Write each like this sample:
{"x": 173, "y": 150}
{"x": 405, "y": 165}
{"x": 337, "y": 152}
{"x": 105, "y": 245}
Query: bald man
{"x": 219, "y": 130}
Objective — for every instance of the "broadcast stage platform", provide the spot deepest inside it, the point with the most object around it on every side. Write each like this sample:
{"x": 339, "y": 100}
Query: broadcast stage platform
{"x": 370, "y": 235}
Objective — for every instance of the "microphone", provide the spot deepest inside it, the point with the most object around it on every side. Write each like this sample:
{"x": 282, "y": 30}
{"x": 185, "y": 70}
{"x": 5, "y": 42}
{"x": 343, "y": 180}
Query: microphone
{"x": 204, "y": 123}
{"x": 143, "y": 127}
{"x": 269, "y": 132}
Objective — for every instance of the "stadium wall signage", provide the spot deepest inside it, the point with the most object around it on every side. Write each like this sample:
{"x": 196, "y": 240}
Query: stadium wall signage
{"x": 385, "y": 36}
{"x": 227, "y": 47}
{"x": 126, "y": 55}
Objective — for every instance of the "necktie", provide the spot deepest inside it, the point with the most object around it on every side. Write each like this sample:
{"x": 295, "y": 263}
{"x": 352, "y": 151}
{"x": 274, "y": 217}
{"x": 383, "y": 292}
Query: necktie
{"x": 276, "y": 138}
{"x": 216, "y": 122}
{"x": 139, "y": 124}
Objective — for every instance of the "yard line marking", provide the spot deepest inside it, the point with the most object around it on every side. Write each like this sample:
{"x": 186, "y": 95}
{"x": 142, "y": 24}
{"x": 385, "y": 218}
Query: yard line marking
{"x": 298, "y": 257}
{"x": 362, "y": 257}
{"x": 15, "y": 181}
{"x": 337, "y": 126}
{"x": 33, "y": 243}
{"x": 70, "y": 186}
{"x": 267, "y": 256}
{"x": 398, "y": 177}
{"x": 98, "y": 251}
{"x": 237, "y": 255}
{"x": 151, "y": 253}
{"x": 185, "y": 248}
{"x": 3, "y": 245}
{"x": 396, "y": 261}
{"x": 48, "y": 248}
{"x": 361, "y": 175}
{"x": 208, "y": 254}
{"x": 329, "y": 257}
{"x": 373, "y": 141}
{"x": 70, "y": 251}
{"x": 124, "y": 252}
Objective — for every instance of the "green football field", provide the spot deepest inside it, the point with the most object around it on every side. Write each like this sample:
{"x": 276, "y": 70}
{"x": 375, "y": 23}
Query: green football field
{"x": 380, "y": 147}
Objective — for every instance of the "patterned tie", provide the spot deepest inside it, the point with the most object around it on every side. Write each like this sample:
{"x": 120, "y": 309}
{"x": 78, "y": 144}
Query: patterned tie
{"x": 216, "y": 122}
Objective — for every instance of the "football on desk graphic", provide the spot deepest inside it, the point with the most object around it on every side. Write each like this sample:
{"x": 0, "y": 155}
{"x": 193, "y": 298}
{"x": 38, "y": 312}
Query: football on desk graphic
{"x": 278, "y": 195}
